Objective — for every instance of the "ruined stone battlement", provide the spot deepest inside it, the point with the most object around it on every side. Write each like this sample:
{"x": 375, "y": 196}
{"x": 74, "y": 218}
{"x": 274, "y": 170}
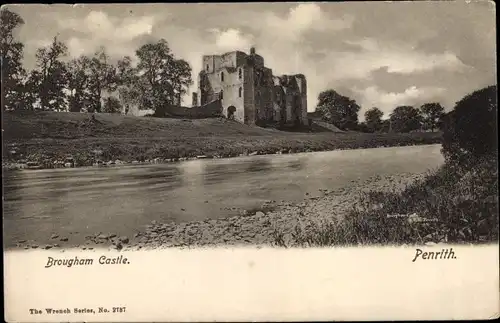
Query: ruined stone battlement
{"x": 249, "y": 91}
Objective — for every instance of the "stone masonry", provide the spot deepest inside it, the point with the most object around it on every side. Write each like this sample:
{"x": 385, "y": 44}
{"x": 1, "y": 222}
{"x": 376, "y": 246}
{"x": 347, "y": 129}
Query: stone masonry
{"x": 248, "y": 90}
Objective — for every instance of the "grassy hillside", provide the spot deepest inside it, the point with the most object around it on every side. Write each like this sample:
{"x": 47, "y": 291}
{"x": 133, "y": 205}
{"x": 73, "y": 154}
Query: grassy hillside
{"x": 48, "y": 136}
{"x": 71, "y": 125}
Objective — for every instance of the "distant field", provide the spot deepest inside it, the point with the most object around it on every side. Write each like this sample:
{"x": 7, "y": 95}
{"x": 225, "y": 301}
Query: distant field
{"x": 48, "y": 136}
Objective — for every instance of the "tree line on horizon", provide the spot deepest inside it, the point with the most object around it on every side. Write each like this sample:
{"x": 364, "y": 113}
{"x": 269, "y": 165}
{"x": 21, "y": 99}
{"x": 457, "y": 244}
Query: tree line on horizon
{"x": 342, "y": 112}
{"x": 90, "y": 83}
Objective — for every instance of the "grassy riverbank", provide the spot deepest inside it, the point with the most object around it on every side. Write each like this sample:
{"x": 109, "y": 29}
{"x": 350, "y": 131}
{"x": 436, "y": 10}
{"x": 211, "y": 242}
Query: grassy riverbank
{"x": 449, "y": 205}
{"x": 48, "y": 137}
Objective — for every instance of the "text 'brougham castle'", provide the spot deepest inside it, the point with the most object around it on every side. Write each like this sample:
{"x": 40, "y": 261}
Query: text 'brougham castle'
{"x": 248, "y": 90}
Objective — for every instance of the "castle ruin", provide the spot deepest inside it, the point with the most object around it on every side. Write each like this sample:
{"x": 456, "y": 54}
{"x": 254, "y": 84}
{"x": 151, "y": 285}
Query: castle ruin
{"x": 249, "y": 92}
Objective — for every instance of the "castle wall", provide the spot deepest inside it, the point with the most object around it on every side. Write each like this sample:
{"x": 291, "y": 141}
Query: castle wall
{"x": 249, "y": 94}
{"x": 210, "y": 110}
{"x": 264, "y": 97}
{"x": 258, "y": 61}
{"x": 194, "y": 101}
{"x": 279, "y": 103}
{"x": 205, "y": 89}
{"x": 208, "y": 62}
{"x": 302, "y": 83}
{"x": 289, "y": 107}
{"x": 212, "y": 86}
{"x": 211, "y": 83}
{"x": 232, "y": 59}
{"x": 241, "y": 58}
{"x": 213, "y": 63}
{"x": 293, "y": 90}
{"x": 264, "y": 94}
{"x": 230, "y": 87}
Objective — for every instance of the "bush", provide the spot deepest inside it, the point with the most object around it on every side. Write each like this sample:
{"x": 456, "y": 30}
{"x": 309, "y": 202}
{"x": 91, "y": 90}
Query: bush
{"x": 470, "y": 130}
{"x": 364, "y": 127}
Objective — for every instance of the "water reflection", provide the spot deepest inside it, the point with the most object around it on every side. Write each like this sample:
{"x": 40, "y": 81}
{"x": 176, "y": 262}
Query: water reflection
{"x": 297, "y": 164}
{"x": 123, "y": 199}
{"x": 262, "y": 164}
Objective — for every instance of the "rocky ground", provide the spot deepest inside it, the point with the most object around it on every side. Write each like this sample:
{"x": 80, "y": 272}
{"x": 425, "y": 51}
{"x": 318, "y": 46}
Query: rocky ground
{"x": 259, "y": 229}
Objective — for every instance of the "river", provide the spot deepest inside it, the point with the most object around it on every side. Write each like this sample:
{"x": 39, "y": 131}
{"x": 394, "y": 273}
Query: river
{"x": 76, "y": 202}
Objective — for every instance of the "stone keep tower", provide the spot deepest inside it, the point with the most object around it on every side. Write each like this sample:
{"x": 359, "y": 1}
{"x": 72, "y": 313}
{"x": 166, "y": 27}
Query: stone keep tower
{"x": 248, "y": 89}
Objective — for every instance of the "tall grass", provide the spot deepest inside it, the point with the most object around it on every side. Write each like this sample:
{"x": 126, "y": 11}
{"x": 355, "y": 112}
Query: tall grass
{"x": 455, "y": 204}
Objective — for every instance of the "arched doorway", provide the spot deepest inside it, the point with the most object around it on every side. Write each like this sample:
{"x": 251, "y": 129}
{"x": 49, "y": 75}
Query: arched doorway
{"x": 230, "y": 112}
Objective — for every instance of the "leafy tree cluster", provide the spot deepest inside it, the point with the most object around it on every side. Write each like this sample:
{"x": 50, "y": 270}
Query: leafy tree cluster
{"x": 470, "y": 130}
{"x": 408, "y": 118}
{"x": 92, "y": 83}
{"x": 342, "y": 112}
{"x": 338, "y": 110}
{"x": 13, "y": 72}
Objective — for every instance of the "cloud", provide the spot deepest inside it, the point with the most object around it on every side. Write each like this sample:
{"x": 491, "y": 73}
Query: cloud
{"x": 103, "y": 27}
{"x": 76, "y": 47}
{"x": 97, "y": 22}
{"x": 395, "y": 57}
{"x": 302, "y": 19}
{"x": 231, "y": 39}
{"x": 133, "y": 28}
{"x": 99, "y": 29}
{"x": 373, "y": 96}
{"x": 368, "y": 44}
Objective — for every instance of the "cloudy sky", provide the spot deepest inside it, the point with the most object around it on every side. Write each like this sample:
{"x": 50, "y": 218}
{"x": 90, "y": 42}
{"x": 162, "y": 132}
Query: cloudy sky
{"x": 381, "y": 54}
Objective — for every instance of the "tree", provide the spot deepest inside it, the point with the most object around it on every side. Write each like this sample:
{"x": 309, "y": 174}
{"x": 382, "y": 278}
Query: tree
{"x": 101, "y": 77}
{"x": 50, "y": 76}
{"x": 126, "y": 73}
{"x": 470, "y": 129}
{"x": 78, "y": 83}
{"x": 112, "y": 105}
{"x": 128, "y": 84}
{"x": 405, "y": 119}
{"x": 26, "y": 95}
{"x": 373, "y": 119}
{"x": 431, "y": 115}
{"x": 13, "y": 72}
{"x": 338, "y": 110}
{"x": 180, "y": 74}
{"x": 160, "y": 75}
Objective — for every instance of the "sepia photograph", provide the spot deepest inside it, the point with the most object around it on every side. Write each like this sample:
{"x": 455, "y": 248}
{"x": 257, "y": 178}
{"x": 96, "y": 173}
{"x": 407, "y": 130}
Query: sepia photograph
{"x": 288, "y": 126}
